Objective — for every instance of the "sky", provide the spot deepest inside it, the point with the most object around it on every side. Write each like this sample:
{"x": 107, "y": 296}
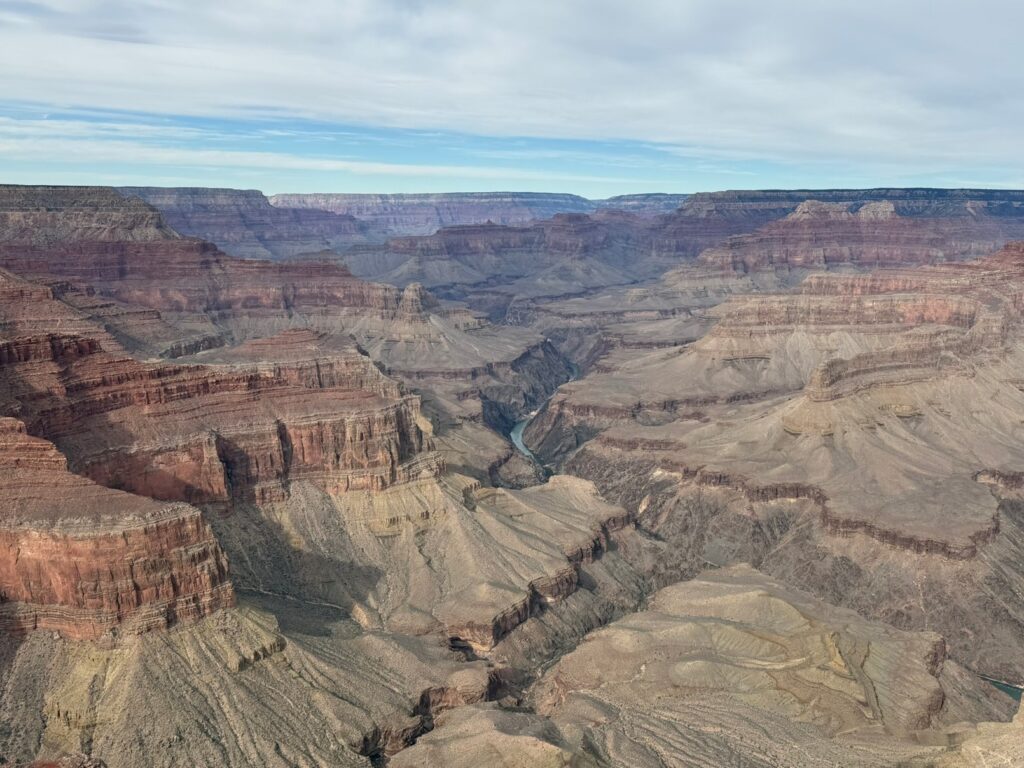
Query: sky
{"x": 592, "y": 97}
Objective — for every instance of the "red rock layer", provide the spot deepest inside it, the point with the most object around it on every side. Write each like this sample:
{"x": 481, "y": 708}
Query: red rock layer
{"x": 819, "y": 234}
{"x": 193, "y": 276}
{"x": 212, "y": 433}
{"x": 84, "y": 560}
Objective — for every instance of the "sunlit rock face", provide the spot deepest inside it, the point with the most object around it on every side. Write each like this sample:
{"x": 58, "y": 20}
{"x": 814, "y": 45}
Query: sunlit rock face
{"x": 85, "y": 561}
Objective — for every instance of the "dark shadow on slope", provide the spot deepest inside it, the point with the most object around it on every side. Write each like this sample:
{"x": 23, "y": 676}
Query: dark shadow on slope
{"x": 308, "y": 591}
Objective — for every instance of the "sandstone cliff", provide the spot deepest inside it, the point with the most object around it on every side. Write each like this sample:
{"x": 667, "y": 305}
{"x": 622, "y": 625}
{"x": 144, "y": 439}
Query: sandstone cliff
{"x": 212, "y": 433}
{"x": 84, "y": 560}
{"x": 33, "y": 215}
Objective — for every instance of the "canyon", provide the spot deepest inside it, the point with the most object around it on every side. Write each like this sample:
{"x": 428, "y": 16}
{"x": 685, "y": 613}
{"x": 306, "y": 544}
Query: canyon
{"x": 261, "y": 507}
{"x": 424, "y": 214}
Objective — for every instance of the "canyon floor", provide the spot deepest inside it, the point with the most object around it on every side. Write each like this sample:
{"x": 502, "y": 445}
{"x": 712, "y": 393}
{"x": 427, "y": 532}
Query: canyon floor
{"x": 260, "y": 504}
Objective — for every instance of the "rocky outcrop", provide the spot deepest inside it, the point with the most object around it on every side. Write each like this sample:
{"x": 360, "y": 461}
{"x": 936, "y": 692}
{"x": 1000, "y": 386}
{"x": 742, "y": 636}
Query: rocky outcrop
{"x": 438, "y": 541}
{"x": 873, "y": 233}
{"x": 872, "y": 417}
{"x": 479, "y": 617}
{"x": 41, "y": 215}
{"x": 300, "y": 406}
{"x": 413, "y": 214}
{"x": 243, "y": 223}
{"x": 85, "y": 561}
{"x": 731, "y": 668}
{"x": 189, "y": 276}
{"x": 207, "y": 434}
{"x": 899, "y": 686}
{"x": 246, "y": 685}
{"x": 649, "y": 204}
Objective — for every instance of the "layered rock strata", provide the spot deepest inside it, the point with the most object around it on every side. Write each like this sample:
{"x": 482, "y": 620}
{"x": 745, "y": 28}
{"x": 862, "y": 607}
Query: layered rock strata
{"x": 732, "y": 667}
{"x": 877, "y": 233}
{"x": 869, "y": 412}
{"x": 42, "y": 215}
{"x": 272, "y": 683}
{"x": 207, "y": 434}
{"x": 438, "y": 541}
{"x": 412, "y": 214}
{"x": 243, "y": 222}
{"x": 85, "y": 561}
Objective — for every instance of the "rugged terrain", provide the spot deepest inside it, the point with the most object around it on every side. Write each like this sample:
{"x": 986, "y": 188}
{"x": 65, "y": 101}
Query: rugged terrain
{"x": 244, "y": 223}
{"x": 412, "y": 214}
{"x": 866, "y": 426}
{"x": 496, "y": 268}
{"x": 730, "y": 668}
{"x": 266, "y": 512}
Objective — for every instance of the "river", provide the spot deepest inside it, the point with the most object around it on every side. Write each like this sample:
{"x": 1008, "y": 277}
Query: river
{"x": 516, "y": 435}
{"x": 1013, "y": 690}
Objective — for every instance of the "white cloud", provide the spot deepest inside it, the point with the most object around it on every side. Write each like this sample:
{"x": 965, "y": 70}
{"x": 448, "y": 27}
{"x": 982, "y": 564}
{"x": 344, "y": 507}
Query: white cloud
{"x": 77, "y": 149}
{"x": 915, "y": 84}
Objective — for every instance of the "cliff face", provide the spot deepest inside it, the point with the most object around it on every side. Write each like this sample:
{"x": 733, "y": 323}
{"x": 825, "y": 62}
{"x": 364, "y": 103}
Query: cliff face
{"x": 208, "y": 434}
{"x": 43, "y": 215}
{"x": 863, "y": 406}
{"x": 84, "y": 560}
{"x": 243, "y": 222}
{"x": 193, "y": 276}
{"x": 650, "y": 204}
{"x": 182, "y": 297}
{"x": 300, "y": 406}
{"x": 820, "y": 234}
{"x": 425, "y": 214}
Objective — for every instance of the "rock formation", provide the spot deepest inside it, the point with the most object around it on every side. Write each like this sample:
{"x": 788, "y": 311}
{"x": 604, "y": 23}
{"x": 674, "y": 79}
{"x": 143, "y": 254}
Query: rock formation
{"x": 412, "y": 214}
{"x": 271, "y": 683}
{"x": 243, "y": 223}
{"x": 650, "y": 204}
{"x": 207, "y": 434}
{"x": 868, "y": 234}
{"x": 84, "y": 560}
{"x": 142, "y": 292}
{"x": 860, "y": 411}
{"x": 33, "y": 215}
{"x": 166, "y": 407}
{"x": 730, "y": 668}
{"x": 490, "y": 264}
